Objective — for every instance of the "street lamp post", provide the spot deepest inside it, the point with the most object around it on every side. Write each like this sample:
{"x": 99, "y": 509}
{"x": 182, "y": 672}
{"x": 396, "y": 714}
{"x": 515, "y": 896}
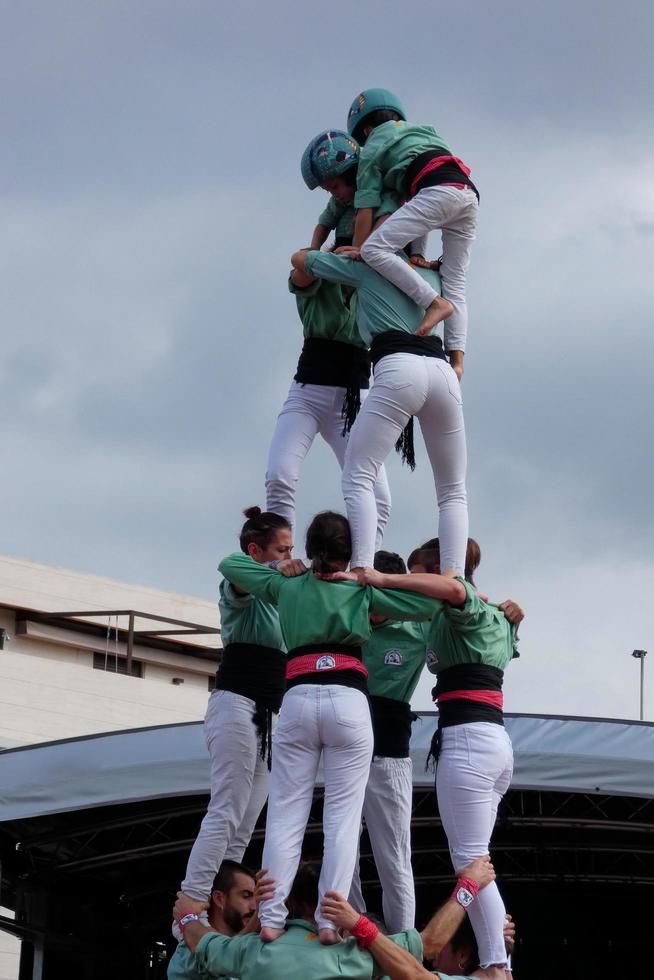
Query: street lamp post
{"x": 640, "y": 655}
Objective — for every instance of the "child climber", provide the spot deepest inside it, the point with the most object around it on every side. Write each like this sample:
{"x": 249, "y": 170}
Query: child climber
{"x": 418, "y": 165}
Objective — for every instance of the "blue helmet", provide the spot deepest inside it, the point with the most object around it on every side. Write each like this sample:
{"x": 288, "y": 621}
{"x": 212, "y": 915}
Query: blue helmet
{"x": 328, "y": 155}
{"x": 369, "y": 101}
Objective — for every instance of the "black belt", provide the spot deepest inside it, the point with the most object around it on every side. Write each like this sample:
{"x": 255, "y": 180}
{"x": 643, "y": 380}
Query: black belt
{"x": 399, "y": 342}
{"x": 333, "y": 363}
{"x": 391, "y": 725}
{"x": 259, "y": 673}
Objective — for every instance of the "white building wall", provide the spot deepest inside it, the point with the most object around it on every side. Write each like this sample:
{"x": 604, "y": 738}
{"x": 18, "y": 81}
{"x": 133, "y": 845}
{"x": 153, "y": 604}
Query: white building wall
{"x": 49, "y": 688}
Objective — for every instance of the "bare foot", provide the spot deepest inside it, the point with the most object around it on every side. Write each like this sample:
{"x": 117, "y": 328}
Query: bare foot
{"x": 492, "y": 973}
{"x": 269, "y": 935}
{"x": 328, "y": 937}
{"x": 439, "y": 310}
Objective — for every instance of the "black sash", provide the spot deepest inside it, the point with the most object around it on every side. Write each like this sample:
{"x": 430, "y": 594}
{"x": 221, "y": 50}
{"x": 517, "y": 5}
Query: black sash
{"x": 391, "y": 724}
{"x": 462, "y": 711}
{"x": 447, "y": 173}
{"x": 255, "y": 672}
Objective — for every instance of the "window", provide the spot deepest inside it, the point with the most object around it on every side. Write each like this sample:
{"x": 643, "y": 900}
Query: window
{"x": 107, "y": 661}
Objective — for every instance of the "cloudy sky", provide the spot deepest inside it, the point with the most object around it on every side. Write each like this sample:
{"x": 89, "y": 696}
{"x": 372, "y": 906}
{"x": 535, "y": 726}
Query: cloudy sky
{"x": 150, "y": 199}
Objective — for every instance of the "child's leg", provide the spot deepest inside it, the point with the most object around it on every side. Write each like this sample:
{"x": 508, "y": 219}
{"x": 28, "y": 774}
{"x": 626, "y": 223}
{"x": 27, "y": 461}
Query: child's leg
{"x": 443, "y": 429}
{"x": 233, "y": 745}
{"x": 295, "y": 757}
{"x": 346, "y": 734}
{"x": 331, "y": 429}
{"x": 399, "y": 391}
{"x": 458, "y": 234}
{"x": 413, "y": 220}
{"x": 296, "y": 428}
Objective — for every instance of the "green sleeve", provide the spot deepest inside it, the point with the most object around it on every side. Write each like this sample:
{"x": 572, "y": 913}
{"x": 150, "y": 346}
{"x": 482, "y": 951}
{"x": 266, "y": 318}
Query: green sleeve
{"x": 247, "y": 574}
{"x": 474, "y": 612}
{"x": 369, "y": 176}
{"x": 332, "y": 214}
{"x": 390, "y": 202}
{"x": 334, "y": 268}
{"x": 399, "y": 604}
{"x": 309, "y": 290}
{"x": 219, "y": 955}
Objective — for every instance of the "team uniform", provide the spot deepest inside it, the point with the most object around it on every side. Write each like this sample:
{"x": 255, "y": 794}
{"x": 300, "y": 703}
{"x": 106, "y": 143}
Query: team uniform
{"x": 237, "y": 731}
{"x": 394, "y": 656}
{"x": 325, "y": 713}
{"x": 411, "y": 377}
{"x": 296, "y": 955}
{"x": 416, "y": 163}
{"x": 330, "y": 383}
{"x": 468, "y": 649}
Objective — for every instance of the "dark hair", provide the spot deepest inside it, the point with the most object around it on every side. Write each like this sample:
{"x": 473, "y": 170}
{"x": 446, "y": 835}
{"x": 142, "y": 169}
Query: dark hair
{"x": 260, "y": 527}
{"x": 464, "y": 941}
{"x": 303, "y": 895}
{"x": 224, "y": 880}
{"x": 374, "y": 119}
{"x": 389, "y": 562}
{"x": 329, "y": 543}
{"x": 349, "y": 176}
{"x": 429, "y": 556}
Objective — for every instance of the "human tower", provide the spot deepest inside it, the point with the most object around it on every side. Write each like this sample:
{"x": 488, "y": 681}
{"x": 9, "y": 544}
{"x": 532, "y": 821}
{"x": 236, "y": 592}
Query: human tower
{"x": 321, "y": 659}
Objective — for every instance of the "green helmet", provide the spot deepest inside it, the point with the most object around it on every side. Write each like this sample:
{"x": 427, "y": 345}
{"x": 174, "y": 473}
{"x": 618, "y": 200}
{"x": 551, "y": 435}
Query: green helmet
{"x": 328, "y": 155}
{"x": 369, "y": 101}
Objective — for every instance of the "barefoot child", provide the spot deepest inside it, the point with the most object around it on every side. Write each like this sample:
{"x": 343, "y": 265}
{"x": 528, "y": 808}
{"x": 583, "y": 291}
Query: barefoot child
{"x": 418, "y": 165}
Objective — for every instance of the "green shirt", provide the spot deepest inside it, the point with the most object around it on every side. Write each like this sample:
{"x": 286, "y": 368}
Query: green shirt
{"x": 381, "y": 306}
{"x": 394, "y": 656}
{"x": 476, "y": 633}
{"x": 314, "y": 611}
{"x": 327, "y": 311}
{"x": 247, "y": 619}
{"x": 339, "y": 217}
{"x": 184, "y": 966}
{"x": 387, "y": 153}
{"x": 298, "y": 954}
{"x": 335, "y": 210}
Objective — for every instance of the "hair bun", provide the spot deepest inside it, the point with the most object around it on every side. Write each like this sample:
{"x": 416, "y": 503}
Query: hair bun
{"x": 252, "y": 512}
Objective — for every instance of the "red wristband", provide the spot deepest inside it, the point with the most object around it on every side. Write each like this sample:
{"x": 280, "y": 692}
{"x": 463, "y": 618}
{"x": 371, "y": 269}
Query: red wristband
{"x": 365, "y": 932}
{"x": 465, "y": 892}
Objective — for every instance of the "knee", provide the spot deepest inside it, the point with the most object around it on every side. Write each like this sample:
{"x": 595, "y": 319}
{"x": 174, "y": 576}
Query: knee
{"x": 370, "y": 249}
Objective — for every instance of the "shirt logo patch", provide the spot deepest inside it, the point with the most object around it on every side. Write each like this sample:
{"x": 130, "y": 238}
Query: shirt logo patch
{"x": 394, "y": 657}
{"x": 325, "y": 663}
{"x": 431, "y": 659}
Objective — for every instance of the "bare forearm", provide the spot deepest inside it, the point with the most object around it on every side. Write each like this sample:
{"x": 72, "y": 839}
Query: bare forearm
{"x": 319, "y": 237}
{"x": 193, "y": 933}
{"x": 440, "y": 929}
{"x": 396, "y": 962}
{"x": 362, "y": 226}
{"x": 435, "y": 586}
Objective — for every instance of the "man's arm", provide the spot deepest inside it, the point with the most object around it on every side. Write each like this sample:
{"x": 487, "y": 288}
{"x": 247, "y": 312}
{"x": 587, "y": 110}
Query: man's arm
{"x": 394, "y": 961}
{"x": 301, "y": 279}
{"x": 442, "y": 926}
{"x": 320, "y": 236}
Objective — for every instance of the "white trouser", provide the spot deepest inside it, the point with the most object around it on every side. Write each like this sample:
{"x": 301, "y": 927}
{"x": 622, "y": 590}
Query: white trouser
{"x": 474, "y": 771}
{"x": 316, "y": 720}
{"x": 307, "y": 411}
{"x": 239, "y": 787}
{"x": 452, "y": 210}
{"x": 387, "y": 813}
{"x": 406, "y": 385}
